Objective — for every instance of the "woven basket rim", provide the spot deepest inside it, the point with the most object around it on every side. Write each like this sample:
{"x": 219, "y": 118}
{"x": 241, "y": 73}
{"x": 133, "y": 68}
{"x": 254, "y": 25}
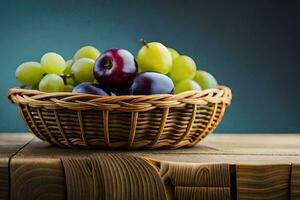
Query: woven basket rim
{"x": 16, "y": 90}
{"x": 80, "y": 101}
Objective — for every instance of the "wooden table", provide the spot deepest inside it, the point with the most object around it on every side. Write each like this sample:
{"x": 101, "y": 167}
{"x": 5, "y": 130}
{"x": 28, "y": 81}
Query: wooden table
{"x": 223, "y": 166}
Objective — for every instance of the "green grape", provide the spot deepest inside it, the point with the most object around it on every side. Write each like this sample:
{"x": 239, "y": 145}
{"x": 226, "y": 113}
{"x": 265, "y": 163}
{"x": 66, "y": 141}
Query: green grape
{"x": 53, "y": 63}
{"x": 186, "y": 85}
{"x": 154, "y": 56}
{"x": 87, "y": 52}
{"x": 173, "y": 53}
{"x": 52, "y": 83}
{"x": 29, "y": 73}
{"x": 183, "y": 68}
{"x": 205, "y": 80}
{"x": 83, "y": 70}
{"x": 68, "y": 67}
{"x": 68, "y": 88}
{"x": 70, "y": 81}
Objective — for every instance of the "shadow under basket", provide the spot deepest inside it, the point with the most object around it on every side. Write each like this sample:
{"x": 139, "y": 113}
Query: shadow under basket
{"x": 145, "y": 121}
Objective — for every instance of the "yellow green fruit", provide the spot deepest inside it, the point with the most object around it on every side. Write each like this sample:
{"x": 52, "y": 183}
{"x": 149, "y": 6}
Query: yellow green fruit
{"x": 70, "y": 81}
{"x": 205, "y": 80}
{"x": 68, "y": 88}
{"x": 173, "y": 53}
{"x": 51, "y": 83}
{"x": 186, "y": 85}
{"x": 183, "y": 68}
{"x": 82, "y": 70}
{"x": 29, "y": 73}
{"x": 68, "y": 67}
{"x": 154, "y": 57}
{"x": 53, "y": 63}
{"x": 87, "y": 52}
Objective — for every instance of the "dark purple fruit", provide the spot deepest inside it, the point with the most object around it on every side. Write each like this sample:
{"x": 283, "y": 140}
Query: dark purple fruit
{"x": 115, "y": 68}
{"x": 91, "y": 88}
{"x": 151, "y": 83}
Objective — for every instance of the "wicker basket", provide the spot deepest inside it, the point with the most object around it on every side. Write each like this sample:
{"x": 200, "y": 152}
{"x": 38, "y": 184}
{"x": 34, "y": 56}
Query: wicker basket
{"x": 152, "y": 121}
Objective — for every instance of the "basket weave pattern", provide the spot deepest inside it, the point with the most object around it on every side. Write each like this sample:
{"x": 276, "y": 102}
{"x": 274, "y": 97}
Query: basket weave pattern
{"x": 146, "y": 121}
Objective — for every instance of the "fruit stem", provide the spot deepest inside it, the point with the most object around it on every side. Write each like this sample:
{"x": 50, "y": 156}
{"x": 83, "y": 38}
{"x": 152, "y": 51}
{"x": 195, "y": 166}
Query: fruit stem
{"x": 107, "y": 63}
{"x": 65, "y": 76}
{"x": 144, "y": 42}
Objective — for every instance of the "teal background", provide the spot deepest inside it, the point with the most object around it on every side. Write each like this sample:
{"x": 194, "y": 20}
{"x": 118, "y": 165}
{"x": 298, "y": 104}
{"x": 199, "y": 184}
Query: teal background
{"x": 251, "y": 46}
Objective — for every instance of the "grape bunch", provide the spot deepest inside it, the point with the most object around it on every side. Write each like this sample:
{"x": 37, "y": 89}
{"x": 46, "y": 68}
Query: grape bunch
{"x": 181, "y": 69}
{"x": 54, "y": 74}
{"x": 156, "y": 70}
{"x": 186, "y": 77}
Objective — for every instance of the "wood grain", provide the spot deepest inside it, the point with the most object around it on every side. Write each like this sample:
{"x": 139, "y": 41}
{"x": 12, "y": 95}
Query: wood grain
{"x": 196, "y": 181}
{"x": 254, "y": 144}
{"x": 79, "y": 178}
{"x": 9, "y": 145}
{"x": 231, "y": 158}
{"x": 33, "y": 179}
{"x": 265, "y": 182}
{"x": 242, "y": 149}
{"x": 204, "y": 193}
{"x": 4, "y": 179}
{"x": 263, "y": 170}
{"x": 295, "y": 181}
{"x": 112, "y": 176}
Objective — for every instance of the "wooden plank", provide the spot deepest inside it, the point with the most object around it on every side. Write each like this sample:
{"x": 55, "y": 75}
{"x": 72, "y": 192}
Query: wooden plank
{"x": 240, "y": 144}
{"x": 200, "y": 153}
{"x": 4, "y": 179}
{"x": 295, "y": 181}
{"x": 196, "y": 181}
{"x": 254, "y": 144}
{"x": 79, "y": 178}
{"x": 42, "y": 149}
{"x": 112, "y": 176}
{"x": 39, "y": 158}
{"x": 204, "y": 193}
{"x": 243, "y": 150}
{"x": 40, "y": 161}
{"x": 9, "y": 145}
{"x": 41, "y": 178}
{"x": 232, "y": 158}
{"x": 265, "y": 182}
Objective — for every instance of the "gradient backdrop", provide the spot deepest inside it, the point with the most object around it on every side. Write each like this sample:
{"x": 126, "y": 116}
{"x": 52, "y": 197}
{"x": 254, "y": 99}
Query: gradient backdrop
{"x": 251, "y": 46}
